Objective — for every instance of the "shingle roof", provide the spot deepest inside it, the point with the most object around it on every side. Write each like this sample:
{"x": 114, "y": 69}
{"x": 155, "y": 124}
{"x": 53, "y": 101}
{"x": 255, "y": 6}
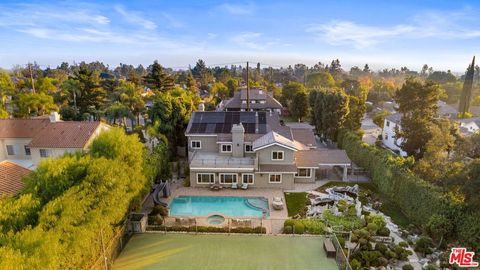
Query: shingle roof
{"x": 65, "y": 135}
{"x": 21, "y": 128}
{"x": 305, "y": 136}
{"x": 254, "y": 94}
{"x": 273, "y": 137}
{"x": 236, "y": 101}
{"x": 395, "y": 118}
{"x": 315, "y": 158}
{"x": 277, "y": 168}
{"x": 11, "y": 176}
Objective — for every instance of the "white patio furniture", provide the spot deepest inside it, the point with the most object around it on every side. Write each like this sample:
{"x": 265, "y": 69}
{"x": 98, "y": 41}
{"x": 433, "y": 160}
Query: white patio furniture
{"x": 234, "y": 186}
{"x": 244, "y": 186}
{"x": 277, "y": 203}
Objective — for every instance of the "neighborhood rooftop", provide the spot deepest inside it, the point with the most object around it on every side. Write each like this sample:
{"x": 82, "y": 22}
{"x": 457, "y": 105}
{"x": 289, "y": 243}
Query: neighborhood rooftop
{"x": 11, "y": 176}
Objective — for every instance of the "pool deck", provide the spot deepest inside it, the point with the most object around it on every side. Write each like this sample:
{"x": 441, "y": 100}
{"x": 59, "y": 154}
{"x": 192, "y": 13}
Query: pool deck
{"x": 273, "y": 223}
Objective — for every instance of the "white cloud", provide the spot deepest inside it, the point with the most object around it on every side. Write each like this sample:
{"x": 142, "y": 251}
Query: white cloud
{"x": 441, "y": 25}
{"x": 135, "y": 17}
{"x": 172, "y": 21}
{"x": 238, "y": 9}
{"x": 255, "y": 41}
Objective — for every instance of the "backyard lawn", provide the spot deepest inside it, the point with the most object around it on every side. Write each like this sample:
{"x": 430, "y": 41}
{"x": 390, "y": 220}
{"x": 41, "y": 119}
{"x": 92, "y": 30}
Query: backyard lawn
{"x": 223, "y": 252}
{"x": 296, "y": 202}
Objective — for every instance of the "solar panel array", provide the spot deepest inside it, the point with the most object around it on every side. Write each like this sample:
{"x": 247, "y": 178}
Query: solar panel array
{"x": 221, "y": 122}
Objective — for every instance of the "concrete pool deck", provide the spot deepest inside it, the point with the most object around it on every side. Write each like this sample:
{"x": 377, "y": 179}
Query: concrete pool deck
{"x": 221, "y": 252}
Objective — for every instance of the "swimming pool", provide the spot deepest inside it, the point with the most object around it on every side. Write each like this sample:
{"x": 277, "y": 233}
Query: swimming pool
{"x": 228, "y": 206}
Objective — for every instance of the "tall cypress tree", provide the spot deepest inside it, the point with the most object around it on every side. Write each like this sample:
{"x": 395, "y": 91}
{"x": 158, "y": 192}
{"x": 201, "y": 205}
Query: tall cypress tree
{"x": 466, "y": 96}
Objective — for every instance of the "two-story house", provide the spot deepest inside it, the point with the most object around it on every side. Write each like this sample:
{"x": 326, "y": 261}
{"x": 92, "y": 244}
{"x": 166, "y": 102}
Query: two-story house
{"x": 254, "y": 149}
{"x": 391, "y": 123}
{"x": 258, "y": 100}
{"x": 27, "y": 141}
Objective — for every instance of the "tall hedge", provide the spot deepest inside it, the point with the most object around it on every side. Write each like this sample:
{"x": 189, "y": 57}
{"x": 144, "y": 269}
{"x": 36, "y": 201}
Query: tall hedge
{"x": 391, "y": 175}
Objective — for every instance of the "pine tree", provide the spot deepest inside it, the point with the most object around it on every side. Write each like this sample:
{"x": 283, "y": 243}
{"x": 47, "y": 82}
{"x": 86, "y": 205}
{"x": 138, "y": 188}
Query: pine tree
{"x": 466, "y": 95}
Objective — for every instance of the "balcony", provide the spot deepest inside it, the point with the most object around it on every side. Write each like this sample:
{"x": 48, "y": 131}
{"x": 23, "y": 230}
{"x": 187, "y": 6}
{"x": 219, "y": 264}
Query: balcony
{"x": 201, "y": 160}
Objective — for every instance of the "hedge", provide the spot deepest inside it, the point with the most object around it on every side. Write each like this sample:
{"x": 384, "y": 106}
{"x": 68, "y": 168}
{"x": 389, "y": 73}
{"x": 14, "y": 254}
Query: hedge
{"x": 205, "y": 229}
{"x": 391, "y": 175}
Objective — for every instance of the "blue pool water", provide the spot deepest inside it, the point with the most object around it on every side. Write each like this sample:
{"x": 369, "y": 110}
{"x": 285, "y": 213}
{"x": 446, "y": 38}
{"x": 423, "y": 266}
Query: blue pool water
{"x": 228, "y": 206}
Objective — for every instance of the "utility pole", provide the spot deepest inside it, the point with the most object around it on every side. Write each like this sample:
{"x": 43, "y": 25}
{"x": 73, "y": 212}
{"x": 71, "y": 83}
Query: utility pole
{"x": 248, "y": 91}
{"x": 31, "y": 77}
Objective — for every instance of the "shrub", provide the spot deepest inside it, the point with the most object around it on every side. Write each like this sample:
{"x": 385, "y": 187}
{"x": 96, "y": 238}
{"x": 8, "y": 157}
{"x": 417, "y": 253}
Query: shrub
{"x": 299, "y": 228}
{"x": 382, "y": 261}
{"x": 423, "y": 245}
{"x": 159, "y": 210}
{"x": 384, "y": 231}
{"x": 381, "y": 248}
{"x": 289, "y": 222}
{"x": 407, "y": 267}
{"x": 288, "y": 229}
{"x": 430, "y": 267}
{"x": 403, "y": 244}
{"x": 355, "y": 264}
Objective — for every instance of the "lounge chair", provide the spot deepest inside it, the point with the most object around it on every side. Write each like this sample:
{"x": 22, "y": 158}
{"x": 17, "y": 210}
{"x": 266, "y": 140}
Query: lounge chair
{"x": 215, "y": 187}
{"x": 244, "y": 186}
{"x": 277, "y": 203}
{"x": 234, "y": 186}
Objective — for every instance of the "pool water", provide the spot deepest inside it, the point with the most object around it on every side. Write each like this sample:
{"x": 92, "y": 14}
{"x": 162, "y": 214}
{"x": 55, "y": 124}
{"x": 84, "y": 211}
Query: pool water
{"x": 228, "y": 206}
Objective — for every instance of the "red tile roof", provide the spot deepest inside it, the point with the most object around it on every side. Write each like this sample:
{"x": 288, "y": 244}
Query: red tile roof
{"x": 65, "y": 135}
{"x": 21, "y": 128}
{"x": 11, "y": 176}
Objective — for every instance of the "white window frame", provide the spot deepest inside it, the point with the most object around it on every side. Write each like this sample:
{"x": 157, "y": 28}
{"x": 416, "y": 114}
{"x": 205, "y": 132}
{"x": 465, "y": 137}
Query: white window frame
{"x": 48, "y": 153}
{"x": 249, "y": 174}
{"x": 225, "y": 144}
{"x": 212, "y": 179}
{"x": 309, "y": 174}
{"x": 195, "y": 141}
{"x": 234, "y": 179}
{"x": 283, "y": 155}
{"x": 270, "y": 177}
{"x": 248, "y": 144}
{"x": 12, "y": 147}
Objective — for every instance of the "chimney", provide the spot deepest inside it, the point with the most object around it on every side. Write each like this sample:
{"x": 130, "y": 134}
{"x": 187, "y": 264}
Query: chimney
{"x": 238, "y": 140}
{"x": 54, "y": 117}
{"x": 201, "y": 107}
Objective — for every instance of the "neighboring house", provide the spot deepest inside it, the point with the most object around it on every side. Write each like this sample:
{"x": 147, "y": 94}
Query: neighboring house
{"x": 253, "y": 148}
{"x": 389, "y": 137}
{"x": 468, "y": 126}
{"x": 259, "y": 100}
{"x": 11, "y": 176}
{"x": 27, "y": 141}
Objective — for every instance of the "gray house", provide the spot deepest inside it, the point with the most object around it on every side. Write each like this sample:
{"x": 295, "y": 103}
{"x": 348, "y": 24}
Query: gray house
{"x": 254, "y": 149}
{"x": 258, "y": 99}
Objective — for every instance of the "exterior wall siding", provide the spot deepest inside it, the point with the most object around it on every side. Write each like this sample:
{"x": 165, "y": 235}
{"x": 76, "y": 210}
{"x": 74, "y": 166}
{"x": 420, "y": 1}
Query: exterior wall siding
{"x": 260, "y": 180}
{"x": 265, "y": 155}
{"x": 208, "y": 144}
{"x": 19, "y": 148}
{"x": 388, "y": 137}
{"x": 55, "y": 152}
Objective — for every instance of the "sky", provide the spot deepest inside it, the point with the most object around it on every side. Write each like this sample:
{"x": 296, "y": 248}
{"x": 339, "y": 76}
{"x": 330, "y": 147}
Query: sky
{"x": 385, "y": 34}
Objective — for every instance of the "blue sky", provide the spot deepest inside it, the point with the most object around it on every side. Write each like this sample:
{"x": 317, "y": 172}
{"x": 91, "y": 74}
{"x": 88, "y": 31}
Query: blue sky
{"x": 442, "y": 34}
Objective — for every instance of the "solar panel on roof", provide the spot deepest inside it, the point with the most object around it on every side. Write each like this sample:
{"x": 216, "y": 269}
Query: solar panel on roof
{"x": 262, "y": 128}
{"x": 210, "y": 128}
{"x": 247, "y": 117}
{"x": 202, "y": 127}
{"x": 194, "y": 128}
{"x": 249, "y": 128}
{"x": 236, "y": 117}
{"x": 218, "y": 128}
{"x": 229, "y": 117}
{"x": 262, "y": 118}
{"x": 227, "y": 128}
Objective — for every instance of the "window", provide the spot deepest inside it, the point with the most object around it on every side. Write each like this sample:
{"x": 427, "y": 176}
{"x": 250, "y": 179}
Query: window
{"x": 10, "y": 150}
{"x": 196, "y": 144}
{"x": 386, "y": 137}
{"x": 44, "y": 153}
{"x": 244, "y": 102}
{"x": 228, "y": 178}
{"x": 226, "y": 148}
{"x": 27, "y": 150}
{"x": 388, "y": 123}
{"x": 247, "y": 178}
{"x": 304, "y": 172}
{"x": 205, "y": 178}
{"x": 275, "y": 178}
{"x": 277, "y": 155}
{"x": 248, "y": 148}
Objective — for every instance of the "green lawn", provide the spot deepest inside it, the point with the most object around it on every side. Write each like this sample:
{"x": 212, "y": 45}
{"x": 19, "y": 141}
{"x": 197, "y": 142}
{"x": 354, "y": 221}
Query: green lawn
{"x": 296, "y": 202}
{"x": 223, "y": 252}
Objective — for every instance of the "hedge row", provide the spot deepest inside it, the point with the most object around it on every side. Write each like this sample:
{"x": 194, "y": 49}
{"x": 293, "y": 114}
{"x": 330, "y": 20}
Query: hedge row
{"x": 205, "y": 229}
{"x": 417, "y": 199}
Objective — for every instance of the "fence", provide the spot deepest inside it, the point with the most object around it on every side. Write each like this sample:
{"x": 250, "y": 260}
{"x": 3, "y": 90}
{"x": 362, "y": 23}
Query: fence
{"x": 340, "y": 257}
{"x": 112, "y": 248}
